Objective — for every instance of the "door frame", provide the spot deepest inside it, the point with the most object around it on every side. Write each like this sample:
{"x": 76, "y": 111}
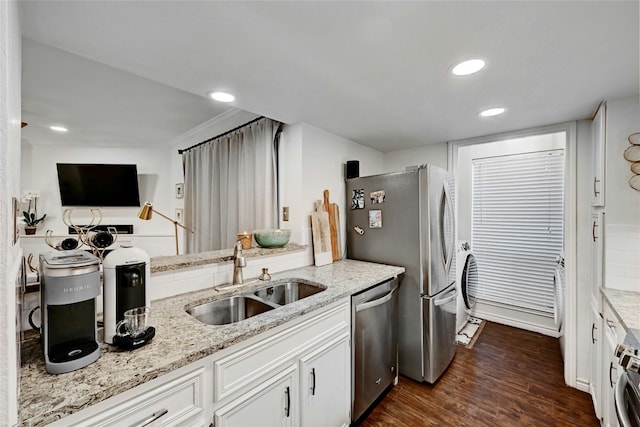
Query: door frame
{"x": 570, "y": 225}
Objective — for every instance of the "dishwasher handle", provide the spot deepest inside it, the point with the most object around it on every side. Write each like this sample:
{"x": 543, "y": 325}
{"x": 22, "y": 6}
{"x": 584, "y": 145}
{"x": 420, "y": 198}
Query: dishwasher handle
{"x": 376, "y": 302}
{"x": 621, "y": 410}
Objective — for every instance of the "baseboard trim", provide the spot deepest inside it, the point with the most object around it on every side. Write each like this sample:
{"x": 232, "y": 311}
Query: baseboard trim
{"x": 583, "y": 385}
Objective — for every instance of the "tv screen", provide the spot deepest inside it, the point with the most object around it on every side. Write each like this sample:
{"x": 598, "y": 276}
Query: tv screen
{"x": 98, "y": 185}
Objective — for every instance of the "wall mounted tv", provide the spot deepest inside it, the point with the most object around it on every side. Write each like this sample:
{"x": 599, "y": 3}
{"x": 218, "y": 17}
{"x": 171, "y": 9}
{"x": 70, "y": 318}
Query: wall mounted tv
{"x": 98, "y": 185}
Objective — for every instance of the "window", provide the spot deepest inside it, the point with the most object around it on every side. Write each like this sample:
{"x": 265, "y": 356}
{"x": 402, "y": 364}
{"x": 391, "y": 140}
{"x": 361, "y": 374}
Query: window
{"x": 517, "y": 227}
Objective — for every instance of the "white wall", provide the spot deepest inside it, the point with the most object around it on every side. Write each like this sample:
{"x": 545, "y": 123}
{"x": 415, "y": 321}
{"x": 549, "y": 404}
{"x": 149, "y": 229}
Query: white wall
{"x": 312, "y": 161}
{"x": 10, "y": 254}
{"x": 622, "y": 203}
{"x": 435, "y": 154}
{"x": 39, "y": 173}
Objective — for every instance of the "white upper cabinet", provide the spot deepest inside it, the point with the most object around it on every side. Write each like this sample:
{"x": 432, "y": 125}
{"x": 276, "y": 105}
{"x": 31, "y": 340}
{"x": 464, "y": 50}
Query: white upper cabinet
{"x": 598, "y": 134}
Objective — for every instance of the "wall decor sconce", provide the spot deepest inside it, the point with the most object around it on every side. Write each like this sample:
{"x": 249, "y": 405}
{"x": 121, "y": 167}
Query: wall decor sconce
{"x": 632, "y": 154}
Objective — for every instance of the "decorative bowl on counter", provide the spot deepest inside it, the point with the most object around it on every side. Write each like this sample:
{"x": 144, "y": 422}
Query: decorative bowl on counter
{"x": 272, "y": 237}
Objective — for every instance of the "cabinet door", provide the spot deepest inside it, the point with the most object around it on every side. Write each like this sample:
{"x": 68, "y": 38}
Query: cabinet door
{"x": 597, "y": 254}
{"x": 325, "y": 384}
{"x": 273, "y": 403}
{"x": 598, "y": 135}
{"x": 596, "y": 361}
{"x": 609, "y": 372}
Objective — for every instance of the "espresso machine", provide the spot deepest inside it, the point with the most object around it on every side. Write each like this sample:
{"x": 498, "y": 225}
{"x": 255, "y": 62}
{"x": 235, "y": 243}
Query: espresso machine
{"x": 126, "y": 275}
{"x": 70, "y": 283}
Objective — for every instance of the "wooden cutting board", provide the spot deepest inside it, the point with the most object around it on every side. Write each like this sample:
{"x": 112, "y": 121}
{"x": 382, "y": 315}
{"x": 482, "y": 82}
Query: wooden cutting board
{"x": 334, "y": 224}
{"x": 321, "y": 236}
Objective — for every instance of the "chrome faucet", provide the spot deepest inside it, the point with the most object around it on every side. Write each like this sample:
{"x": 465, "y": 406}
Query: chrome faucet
{"x": 238, "y": 263}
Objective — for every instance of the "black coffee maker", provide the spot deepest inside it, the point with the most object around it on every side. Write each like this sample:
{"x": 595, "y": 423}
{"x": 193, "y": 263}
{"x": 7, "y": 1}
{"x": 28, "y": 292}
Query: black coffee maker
{"x": 69, "y": 285}
{"x": 126, "y": 276}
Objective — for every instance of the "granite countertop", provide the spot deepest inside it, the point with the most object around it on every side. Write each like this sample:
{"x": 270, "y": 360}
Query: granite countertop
{"x": 180, "y": 339}
{"x": 177, "y": 262}
{"x": 626, "y": 305}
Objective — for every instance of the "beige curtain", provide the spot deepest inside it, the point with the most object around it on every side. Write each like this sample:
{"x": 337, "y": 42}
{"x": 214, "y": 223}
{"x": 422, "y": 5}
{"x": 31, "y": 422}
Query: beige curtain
{"x": 230, "y": 186}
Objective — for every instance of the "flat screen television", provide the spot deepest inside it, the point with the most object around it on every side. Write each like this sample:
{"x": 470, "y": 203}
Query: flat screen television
{"x": 98, "y": 185}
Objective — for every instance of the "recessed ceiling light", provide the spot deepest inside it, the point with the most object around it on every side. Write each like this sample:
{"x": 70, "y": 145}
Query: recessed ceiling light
{"x": 468, "y": 67}
{"x": 492, "y": 112}
{"x": 222, "y": 96}
{"x": 59, "y": 128}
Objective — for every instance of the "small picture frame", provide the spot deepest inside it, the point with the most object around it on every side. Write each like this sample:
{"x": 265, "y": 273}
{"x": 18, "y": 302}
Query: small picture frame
{"x": 357, "y": 199}
{"x": 377, "y": 197}
{"x": 180, "y": 190}
{"x": 375, "y": 219}
{"x": 179, "y": 215}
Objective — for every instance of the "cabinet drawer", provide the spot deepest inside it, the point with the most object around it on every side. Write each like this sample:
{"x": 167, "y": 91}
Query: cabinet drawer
{"x": 181, "y": 398}
{"x": 258, "y": 361}
{"x": 612, "y": 325}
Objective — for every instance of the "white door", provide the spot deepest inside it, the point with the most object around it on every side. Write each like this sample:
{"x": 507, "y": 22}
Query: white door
{"x": 273, "y": 404}
{"x": 325, "y": 384}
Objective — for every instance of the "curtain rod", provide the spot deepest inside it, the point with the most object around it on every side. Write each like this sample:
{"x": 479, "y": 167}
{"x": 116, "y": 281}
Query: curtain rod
{"x": 221, "y": 135}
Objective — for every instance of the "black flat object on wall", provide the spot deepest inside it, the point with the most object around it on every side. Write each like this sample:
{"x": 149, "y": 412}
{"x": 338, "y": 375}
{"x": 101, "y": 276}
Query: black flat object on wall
{"x": 127, "y": 342}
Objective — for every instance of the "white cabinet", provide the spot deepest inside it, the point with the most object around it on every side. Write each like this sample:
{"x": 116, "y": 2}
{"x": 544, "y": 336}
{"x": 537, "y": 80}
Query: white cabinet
{"x": 613, "y": 333}
{"x": 597, "y": 253}
{"x": 298, "y": 376}
{"x": 256, "y": 382}
{"x": 598, "y": 134}
{"x": 175, "y": 399}
{"x": 325, "y": 384}
{"x": 272, "y": 404}
{"x": 596, "y": 360}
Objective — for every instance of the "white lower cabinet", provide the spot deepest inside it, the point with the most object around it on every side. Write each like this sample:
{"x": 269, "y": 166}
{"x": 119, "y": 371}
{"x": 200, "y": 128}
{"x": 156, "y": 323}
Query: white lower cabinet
{"x": 297, "y": 374}
{"x": 176, "y": 399}
{"x": 325, "y": 384}
{"x": 273, "y": 404}
{"x": 596, "y": 357}
{"x": 300, "y": 376}
{"x": 613, "y": 333}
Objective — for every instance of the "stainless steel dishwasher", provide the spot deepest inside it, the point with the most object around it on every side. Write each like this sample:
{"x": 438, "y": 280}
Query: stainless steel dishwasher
{"x": 374, "y": 331}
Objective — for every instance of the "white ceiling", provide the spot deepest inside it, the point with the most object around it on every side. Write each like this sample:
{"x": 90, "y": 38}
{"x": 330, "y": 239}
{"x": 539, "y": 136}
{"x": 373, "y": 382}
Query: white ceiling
{"x": 373, "y": 72}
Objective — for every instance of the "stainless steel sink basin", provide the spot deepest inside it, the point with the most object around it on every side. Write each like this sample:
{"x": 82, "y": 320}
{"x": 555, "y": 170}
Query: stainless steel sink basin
{"x": 228, "y": 310}
{"x": 289, "y": 291}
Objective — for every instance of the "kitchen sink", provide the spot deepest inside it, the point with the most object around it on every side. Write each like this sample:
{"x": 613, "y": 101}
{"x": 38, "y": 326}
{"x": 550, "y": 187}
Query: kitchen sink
{"x": 229, "y": 310}
{"x": 240, "y": 307}
{"x": 289, "y": 291}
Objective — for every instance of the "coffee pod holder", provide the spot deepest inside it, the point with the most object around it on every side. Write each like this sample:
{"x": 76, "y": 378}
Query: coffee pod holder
{"x": 128, "y": 342}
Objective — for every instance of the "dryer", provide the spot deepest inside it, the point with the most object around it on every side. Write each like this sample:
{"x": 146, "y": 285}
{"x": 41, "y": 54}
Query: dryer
{"x": 467, "y": 282}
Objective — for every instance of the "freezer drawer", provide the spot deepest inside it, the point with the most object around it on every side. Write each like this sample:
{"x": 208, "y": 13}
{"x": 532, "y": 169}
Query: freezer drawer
{"x": 439, "y": 326}
{"x": 375, "y": 344}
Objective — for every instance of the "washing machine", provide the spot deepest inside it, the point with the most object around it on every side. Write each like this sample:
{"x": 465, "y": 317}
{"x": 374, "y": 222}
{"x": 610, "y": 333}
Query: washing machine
{"x": 467, "y": 282}
{"x": 558, "y": 306}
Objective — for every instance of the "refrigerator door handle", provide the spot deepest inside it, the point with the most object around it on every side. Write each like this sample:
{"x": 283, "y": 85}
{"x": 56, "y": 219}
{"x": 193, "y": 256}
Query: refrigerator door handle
{"x": 376, "y": 302}
{"x": 444, "y": 301}
{"x": 447, "y": 246}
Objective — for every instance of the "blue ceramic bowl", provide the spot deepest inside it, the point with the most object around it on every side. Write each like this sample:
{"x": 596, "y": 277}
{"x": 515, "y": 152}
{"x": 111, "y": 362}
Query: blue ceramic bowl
{"x": 272, "y": 237}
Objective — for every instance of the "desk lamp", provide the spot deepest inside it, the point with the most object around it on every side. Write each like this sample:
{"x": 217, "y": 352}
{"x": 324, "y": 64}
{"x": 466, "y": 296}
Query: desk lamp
{"x": 145, "y": 214}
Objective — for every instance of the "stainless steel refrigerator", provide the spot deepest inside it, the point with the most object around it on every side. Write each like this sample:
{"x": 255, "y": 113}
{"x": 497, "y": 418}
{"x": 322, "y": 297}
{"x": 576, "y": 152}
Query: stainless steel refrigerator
{"x": 407, "y": 219}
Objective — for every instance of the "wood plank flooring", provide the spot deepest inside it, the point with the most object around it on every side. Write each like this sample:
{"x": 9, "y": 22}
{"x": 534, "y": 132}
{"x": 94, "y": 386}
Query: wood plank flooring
{"x": 510, "y": 377}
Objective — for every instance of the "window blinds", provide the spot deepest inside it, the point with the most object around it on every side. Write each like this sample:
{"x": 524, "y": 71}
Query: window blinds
{"x": 517, "y": 227}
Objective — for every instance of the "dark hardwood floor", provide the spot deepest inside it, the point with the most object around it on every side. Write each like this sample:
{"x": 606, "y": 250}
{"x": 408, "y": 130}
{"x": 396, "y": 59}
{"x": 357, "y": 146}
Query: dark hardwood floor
{"x": 510, "y": 377}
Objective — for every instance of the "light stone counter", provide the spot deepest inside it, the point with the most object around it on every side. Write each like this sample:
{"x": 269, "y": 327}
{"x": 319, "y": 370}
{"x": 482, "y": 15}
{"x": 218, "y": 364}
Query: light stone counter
{"x": 180, "y": 340}
{"x": 178, "y": 262}
{"x": 626, "y": 305}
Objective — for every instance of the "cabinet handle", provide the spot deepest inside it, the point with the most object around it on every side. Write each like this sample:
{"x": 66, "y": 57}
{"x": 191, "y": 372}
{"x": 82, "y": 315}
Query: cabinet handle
{"x": 287, "y": 409}
{"x": 611, "y": 368}
{"x": 593, "y": 329}
{"x": 595, "y": 190}
{"x": 593, "y": 231}
{"x": 611, "y": 323}
{"x": 313, "y": 381}
{"x": 153, "y": 417}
